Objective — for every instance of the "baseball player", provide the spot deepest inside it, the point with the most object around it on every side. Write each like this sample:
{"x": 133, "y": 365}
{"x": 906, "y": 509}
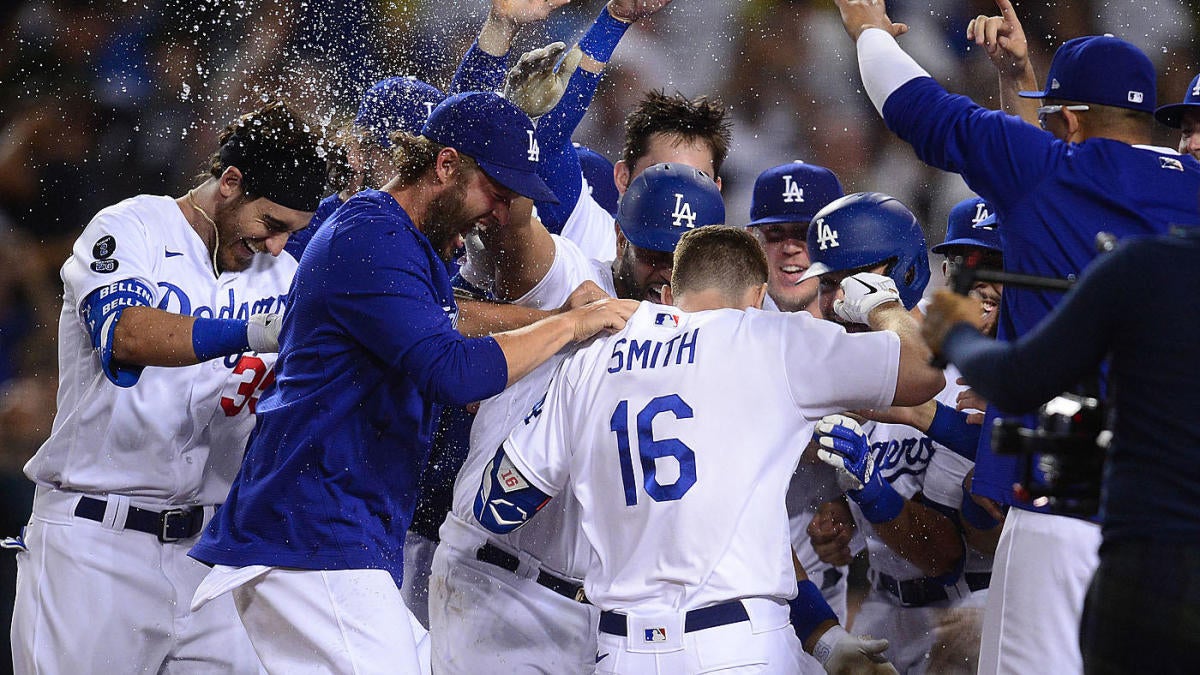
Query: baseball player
{"x": 915, "y": 551}
{"x": 310, "y": 539}
{"x": 1054, "y": 191}
{"x": 166, "y": 342}
{"x": 1185, "y": 116}
{"x": 692, "y": 557}
{"x": 515, "y": 598}
{"x": 785, "y": 198}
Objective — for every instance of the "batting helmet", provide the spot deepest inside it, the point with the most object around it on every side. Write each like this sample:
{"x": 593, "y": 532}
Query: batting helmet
{"x": 865, "y": 229}
{"x": 396, "y": 104}
{"x": 971, "y": 223}
{"x": 665, "y": 201}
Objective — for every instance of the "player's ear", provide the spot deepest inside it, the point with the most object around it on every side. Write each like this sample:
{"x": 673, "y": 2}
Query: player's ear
{"x": 668, "y": 297}
{"x": 622, "y": 242}
{"x": 448, "y": 161}
{"x": 760, "y": 297}
{"x": 621, "y": 176}
{"x": 946, "y": 269}
{"x": 230, "y": 182}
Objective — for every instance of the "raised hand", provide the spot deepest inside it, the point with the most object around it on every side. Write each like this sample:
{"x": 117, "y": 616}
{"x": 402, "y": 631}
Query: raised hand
{"x": 1003, "y": 38}
{"x": 635, "y": 10}
{"x": 859, "y": 15}
{"x": 522, "y": 12}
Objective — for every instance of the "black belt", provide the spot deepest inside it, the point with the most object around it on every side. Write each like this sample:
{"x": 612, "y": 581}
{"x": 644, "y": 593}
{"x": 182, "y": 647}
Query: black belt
{"x": 830, "y": 578}
{"x": 697, "y": 619}
{"x": 927, "y": 590}
{"x": 494, "y": 555}
{"x": 170, "y": 525}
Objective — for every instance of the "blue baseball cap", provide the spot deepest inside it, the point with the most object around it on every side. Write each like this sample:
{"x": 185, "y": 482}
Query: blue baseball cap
{"x": 396, "y": 104}
{"x": 1169, "y": 114}
{"x": 792, "y": 193}
{"x": 1100, "y": 69}
{"x": 665, "y": 201}
{"x": 495, "y": 133}
{"x": 598, "y": 172}
{"x": 972, "y": 222}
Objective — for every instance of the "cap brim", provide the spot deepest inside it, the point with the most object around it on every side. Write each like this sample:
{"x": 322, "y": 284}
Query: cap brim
{"x": 1033, "y": 94}
{"x": 784, "y": 218}
{"x": 966, "y": 241}
{"x": 814, "y": 270}
{"x": 524, "y": 183}
{"x": 1170, "y": 114}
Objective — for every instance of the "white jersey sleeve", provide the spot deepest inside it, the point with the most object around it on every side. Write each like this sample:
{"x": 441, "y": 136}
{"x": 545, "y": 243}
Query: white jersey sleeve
{"x": 539, "y": 446}
{"x": 571, "y": 267}
{"x": 855, "y": 370}
{"x": 591, "y": 228}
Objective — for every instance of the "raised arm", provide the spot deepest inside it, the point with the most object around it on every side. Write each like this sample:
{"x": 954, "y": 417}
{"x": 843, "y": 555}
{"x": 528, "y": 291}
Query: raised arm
{"x": 1003, "y": 39}
{"x": 485, "y": 63}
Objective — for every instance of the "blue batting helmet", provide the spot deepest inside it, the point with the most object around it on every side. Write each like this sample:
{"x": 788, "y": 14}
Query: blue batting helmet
{"x": 972, "y": 222}
{"x": 865, "y": 229}
{"x": 665, "y": 201}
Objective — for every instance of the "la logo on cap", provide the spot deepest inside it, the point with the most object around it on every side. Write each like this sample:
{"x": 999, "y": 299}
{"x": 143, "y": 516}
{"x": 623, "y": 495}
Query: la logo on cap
{"x": 981, "y": 213}
{"x": 792, "y": 193}
{"x": 1054, "y": 83}
{"x": 683, "y": 213}
{"x": 534, "y": 151}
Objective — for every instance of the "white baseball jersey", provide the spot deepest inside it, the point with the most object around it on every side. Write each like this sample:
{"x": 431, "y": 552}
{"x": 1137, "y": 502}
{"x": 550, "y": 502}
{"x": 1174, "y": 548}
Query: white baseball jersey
{"x": 678, "y": 436}
{"x": 553, "y": 538}
{"x": 912, "y": 462}
{"x": 591, "y": 227}
{"x": 177, "y": 435}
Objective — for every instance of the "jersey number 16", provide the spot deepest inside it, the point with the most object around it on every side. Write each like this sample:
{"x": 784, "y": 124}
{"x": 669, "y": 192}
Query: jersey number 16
{"x": 650, "y": 450}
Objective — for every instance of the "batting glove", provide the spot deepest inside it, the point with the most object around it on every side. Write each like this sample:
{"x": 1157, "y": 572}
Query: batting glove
{"x": 535, "y": 85}
{"x": 844, "y": 446}
{"x": 262, "y": 332}
{"x": 864, "y": 292}
{"x": 844, "y": 654}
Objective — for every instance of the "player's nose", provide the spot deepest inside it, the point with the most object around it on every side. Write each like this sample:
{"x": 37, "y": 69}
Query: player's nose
{"x": 275, "y": 243}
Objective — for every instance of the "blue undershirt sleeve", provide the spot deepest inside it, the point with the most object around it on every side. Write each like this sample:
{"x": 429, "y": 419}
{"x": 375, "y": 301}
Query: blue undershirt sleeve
{"x": 479, "y": 71}
{"x": 560, "y": 163}
{"x": 951, "y": 429}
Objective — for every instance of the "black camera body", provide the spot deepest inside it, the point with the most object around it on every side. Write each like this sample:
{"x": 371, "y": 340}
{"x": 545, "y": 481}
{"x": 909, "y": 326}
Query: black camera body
{"x": 1063, "y": 455}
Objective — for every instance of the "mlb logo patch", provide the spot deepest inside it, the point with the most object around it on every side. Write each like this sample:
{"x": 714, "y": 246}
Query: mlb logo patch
{"x": 665, "y": 319}
{"x": 1135, "y": 97}
{"x": 656, "y": 635}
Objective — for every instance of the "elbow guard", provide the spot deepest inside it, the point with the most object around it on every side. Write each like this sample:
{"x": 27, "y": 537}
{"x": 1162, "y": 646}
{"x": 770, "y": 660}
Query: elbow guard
{"x": 506, "y": 500}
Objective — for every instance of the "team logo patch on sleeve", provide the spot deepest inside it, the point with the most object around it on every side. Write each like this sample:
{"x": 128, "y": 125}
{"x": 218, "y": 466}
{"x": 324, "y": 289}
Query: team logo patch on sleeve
{"x": 104, "y": 248}
{"x": 656, "y": 635}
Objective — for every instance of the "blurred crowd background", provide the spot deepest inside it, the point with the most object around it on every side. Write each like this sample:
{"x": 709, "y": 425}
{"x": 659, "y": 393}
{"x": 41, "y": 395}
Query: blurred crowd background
{"x": 104, "y": 99}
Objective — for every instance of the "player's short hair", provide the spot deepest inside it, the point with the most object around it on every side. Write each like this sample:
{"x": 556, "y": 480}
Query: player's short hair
{"x": 699, "y": 119}
{"x": 415, "y": 156}
{"x": 281, "y": 157}
{"x": 721, "y": 257}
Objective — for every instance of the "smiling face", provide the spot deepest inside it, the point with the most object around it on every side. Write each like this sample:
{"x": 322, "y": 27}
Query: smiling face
{"x": 472, "y": 198}
{"x": 786, "y": 247}
{"x": 1189, "y": 126}
{"x": 248, "y": 227}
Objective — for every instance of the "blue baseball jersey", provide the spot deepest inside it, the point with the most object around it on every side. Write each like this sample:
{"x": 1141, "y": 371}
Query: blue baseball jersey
{"x": 298, "y": 241}
{"x": 368, "y": 352}
{"x": 1052, "y": 197}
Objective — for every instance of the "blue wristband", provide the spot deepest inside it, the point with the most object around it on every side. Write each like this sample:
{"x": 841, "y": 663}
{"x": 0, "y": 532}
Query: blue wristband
{"x": 975, "y": 515}
{"x": 878, "y": 500}
{"x": 809, "y": 609}
{"x": 212, "y": 338}
{"x": 950, "y": 428}
{"x": 601, "y": 39}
